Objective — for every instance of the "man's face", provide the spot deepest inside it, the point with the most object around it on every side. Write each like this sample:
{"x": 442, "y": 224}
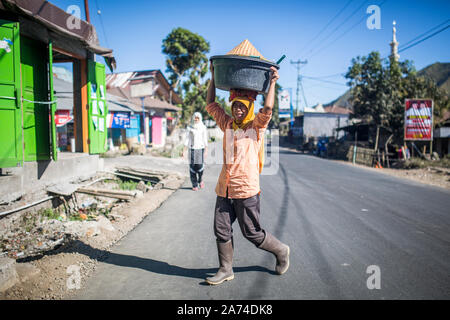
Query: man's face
{"x": 239, "y": 111}
{"x": 196, "y": 119}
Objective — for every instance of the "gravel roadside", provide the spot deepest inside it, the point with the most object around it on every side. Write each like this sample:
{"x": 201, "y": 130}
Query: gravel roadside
{"x": 58, "y": 273}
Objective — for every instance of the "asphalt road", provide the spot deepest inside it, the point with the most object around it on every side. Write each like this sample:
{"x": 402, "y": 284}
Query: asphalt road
{"x": 340, "y": 221}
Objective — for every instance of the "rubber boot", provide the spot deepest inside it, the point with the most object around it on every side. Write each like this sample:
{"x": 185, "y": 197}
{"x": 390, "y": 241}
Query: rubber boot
{"x": 225, "y": 272}
{"x": 279, "y": 249}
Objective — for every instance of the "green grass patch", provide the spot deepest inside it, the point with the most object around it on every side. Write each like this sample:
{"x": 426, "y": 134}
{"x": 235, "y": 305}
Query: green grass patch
{"x": 49, "y": 213}
{"x": 128, "y": 185}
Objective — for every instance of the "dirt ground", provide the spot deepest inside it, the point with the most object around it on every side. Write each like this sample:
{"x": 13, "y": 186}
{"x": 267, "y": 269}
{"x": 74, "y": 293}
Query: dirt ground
{"x": 439, "y": 177}
{"x": 57, "y": 274}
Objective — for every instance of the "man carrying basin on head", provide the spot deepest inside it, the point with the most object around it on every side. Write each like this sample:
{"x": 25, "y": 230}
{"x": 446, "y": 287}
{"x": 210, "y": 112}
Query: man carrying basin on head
{"x": 237, "y": 189}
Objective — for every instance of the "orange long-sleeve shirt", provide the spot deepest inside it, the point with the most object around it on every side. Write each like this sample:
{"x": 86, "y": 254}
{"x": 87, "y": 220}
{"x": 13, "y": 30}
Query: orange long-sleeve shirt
{"x": 240, "y": 170}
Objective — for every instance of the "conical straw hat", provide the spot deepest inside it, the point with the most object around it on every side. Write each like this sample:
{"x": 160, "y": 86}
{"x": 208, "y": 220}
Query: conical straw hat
{"x": 245, "y": 48}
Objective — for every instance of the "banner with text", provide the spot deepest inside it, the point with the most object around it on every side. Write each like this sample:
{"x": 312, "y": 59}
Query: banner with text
{"x": 419, "y": 119}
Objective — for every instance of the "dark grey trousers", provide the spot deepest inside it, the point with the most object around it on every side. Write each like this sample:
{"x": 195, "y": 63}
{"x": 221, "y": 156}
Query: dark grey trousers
{"x": 196, "y": 166}
{"x": 246, "y": 211}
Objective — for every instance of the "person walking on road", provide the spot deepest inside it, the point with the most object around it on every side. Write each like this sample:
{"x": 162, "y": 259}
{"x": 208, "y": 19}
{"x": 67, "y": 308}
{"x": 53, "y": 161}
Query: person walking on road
{"x": 197, "y": 144}
{"x": 237, "y": 189}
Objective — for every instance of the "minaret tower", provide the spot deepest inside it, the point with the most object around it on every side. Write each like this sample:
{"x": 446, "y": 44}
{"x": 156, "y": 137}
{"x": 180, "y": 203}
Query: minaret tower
{"x": 394, "y": 44}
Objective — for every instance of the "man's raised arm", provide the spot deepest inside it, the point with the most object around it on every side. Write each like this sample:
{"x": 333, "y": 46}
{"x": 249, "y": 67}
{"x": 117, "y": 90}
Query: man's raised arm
{"x": 211, "y": 96}
{"x": 270, "y": 98}
{"x": 214, "y": 109}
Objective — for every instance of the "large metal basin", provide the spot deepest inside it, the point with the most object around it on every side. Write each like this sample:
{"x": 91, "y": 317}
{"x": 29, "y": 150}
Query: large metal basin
{"x": 238, "y": 72}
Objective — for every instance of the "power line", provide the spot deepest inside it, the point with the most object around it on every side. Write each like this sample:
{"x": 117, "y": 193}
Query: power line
{"x": 422, "y": 40}
{"x": 419, "y": 36}
{"x": 303, "y": 92}
{"x": 343, "y": 34}
{"x": 341, "y": 24}
{"x": 326, "y": 81}
{"x": 309, "y": 85}
{"x": 329, "y": 76}
{"x": 326, "y": 26}
{"x": 410, "y": 41}
{"x": 314, "y": 96}
{"x": 298, "y": 63}
{"x": 419, "y": 41}
{"x": 320, "y": 85}
{"x": 336, "y": 39}
{"x": 405, "y": 47}
{"x": 101, "y": 22}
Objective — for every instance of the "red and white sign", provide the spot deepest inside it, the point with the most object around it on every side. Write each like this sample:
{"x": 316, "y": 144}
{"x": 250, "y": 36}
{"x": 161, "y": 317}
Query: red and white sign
{"x": 419, "y": 119}
{"x": 62, "y": 117}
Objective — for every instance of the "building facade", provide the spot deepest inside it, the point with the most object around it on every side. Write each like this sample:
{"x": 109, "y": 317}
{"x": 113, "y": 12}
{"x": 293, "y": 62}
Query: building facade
{"x": 150, "y": 90}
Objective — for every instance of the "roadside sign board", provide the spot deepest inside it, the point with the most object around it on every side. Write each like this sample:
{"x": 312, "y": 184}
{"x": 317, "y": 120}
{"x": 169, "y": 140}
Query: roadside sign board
{"x": 142, "y": 89}
{"x": 118, "y": 120}
{"x": 284, "y": 103}
{"x": 419, "y": 119}
{"x": 62, "y": 117}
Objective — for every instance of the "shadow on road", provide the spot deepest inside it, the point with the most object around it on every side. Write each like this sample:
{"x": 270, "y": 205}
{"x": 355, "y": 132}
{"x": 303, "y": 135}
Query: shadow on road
{"x": 151, "y": 265}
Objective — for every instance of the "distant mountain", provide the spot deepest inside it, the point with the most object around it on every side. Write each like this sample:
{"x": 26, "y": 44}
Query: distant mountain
{"x": 342, "y": 101}
{"x": 438, "y": 72}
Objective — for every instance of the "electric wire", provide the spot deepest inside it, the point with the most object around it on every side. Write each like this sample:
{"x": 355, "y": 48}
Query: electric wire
{"x": 326, "y": 26}
{"x": 322, "y": 80}
{"x": 341, "y": 24}
{"x": 303, "y": 93}
{"x": 101, "y": 22}
{"x": 423, "y": 34}
{"x": 314, "y": 53}
{"x": 426, "y": 38}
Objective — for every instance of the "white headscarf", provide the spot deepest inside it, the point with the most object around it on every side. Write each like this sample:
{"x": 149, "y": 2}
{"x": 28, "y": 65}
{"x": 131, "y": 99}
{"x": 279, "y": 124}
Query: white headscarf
{"x": 197, "y": 137}
{"x": 199, "y": 124}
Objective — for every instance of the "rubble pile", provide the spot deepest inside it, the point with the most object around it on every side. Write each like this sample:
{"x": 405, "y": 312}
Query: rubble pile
{"x": 77, "y": 211}
{"x": 27, "y": 234}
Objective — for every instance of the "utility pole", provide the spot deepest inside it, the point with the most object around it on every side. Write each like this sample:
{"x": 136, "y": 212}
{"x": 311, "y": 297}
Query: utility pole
{"x": 298, "y": 63}
{"x": 88, "y": 18}
{"x": 86, "y": 10}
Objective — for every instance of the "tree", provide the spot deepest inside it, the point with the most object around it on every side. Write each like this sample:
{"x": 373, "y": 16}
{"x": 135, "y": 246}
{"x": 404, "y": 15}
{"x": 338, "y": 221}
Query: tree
{"x": 187, "y": 65}
{"x": 185, "y": 51}
{"x": 379, "y": 89}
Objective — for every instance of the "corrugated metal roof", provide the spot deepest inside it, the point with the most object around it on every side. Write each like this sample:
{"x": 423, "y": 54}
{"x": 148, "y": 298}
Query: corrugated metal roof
{"x": 64, "y": 98}
{"x": 149, "y": 102}
{"x": 336, "y": 109}
{"x": 122, "y": 80}
{"x": 152, "y": 103}
{"x": 119, "y": 79}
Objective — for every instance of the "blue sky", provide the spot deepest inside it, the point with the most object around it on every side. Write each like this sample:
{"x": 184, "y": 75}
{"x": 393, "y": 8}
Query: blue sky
{"x": 135, "y": 30}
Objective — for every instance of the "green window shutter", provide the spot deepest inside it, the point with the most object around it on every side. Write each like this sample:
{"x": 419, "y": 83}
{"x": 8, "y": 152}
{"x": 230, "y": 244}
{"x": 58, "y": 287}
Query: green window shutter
{"x": 53, "y": 105}
{"x": 11, "y": 147}
{"x": 36, "y": 124}
{"x": 98, "y": 108}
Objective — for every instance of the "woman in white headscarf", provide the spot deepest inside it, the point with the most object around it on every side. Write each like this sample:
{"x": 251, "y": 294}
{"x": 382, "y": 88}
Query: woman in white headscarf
{"x": 197, "y": 143}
